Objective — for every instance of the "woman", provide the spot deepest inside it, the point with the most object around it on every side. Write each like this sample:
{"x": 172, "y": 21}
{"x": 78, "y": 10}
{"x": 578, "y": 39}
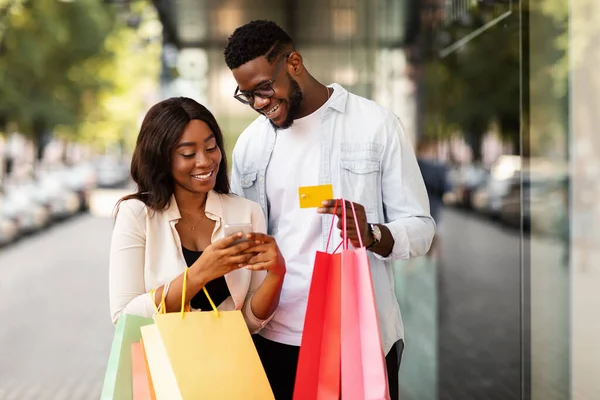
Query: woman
{"x": 176, "y": 218}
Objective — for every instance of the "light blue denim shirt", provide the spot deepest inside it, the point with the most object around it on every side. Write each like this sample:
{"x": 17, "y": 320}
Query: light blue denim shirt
{"x": 368, "y": 159}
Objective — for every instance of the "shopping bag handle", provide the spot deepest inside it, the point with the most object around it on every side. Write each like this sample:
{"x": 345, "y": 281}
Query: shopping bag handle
{"x": 331, "y": 228}
{"x": 345, "y": 239}
{"x": 355, "y": 224}
{"x": 161, "y": 309}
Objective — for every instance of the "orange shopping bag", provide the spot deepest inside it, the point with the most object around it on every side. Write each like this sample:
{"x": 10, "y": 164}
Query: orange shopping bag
{"x": 140, "y": 375}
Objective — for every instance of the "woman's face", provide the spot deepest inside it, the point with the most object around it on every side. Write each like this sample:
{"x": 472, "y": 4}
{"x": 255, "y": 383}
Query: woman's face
{"x": 196, "y": 158}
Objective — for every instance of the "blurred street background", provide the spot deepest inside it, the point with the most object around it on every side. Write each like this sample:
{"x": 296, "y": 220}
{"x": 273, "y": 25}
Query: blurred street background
{"x": 499, "y": 98}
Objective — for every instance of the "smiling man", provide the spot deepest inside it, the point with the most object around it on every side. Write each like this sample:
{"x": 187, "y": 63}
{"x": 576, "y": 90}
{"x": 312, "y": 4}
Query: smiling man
{"x": 310, "y": 134}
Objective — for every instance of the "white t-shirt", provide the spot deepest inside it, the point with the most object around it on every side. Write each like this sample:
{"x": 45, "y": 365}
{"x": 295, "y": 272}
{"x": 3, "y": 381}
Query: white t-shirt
{"x": 295, "y": 162}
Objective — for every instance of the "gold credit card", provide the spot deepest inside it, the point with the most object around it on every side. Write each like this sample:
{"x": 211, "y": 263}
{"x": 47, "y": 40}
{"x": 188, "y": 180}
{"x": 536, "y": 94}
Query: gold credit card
{"x": 313, "y": 196}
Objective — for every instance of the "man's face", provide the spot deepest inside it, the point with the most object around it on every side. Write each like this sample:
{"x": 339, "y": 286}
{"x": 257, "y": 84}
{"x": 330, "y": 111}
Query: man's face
{"x": 276, "y": 94}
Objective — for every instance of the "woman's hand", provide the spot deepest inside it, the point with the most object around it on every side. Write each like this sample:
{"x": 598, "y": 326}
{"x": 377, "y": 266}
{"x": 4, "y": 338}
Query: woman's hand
{"x": 222, "y": 257}
{"x": 265, "y": 255}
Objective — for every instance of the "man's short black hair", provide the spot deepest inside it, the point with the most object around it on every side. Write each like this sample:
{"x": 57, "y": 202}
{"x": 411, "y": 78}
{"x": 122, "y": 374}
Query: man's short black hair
{"x": 255, "y": 39}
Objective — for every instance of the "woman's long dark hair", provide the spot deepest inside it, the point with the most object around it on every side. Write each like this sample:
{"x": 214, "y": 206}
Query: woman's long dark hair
{"x": 161, "y": 130}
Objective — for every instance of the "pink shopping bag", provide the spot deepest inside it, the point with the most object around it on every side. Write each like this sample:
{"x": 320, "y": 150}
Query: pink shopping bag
{"x": 364, "y": 375}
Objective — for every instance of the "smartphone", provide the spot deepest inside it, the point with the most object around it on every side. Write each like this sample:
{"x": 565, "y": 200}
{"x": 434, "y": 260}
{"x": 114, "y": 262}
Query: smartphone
{"x": 230, "y": 229}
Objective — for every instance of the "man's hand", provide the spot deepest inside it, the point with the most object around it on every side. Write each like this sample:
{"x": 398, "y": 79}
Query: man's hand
{"x": 352, "y": 230}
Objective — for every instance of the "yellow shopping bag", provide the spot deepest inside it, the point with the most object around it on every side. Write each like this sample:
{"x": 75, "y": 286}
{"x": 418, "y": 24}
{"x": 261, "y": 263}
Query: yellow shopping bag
{"x": 203, "y": 355}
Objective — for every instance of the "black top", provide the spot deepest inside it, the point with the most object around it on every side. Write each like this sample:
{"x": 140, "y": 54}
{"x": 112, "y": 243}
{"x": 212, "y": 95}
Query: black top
{"x": 217, "y": 289}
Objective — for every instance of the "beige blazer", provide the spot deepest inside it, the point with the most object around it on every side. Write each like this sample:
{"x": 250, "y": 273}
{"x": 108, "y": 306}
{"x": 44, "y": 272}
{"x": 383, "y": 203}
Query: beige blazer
{"x": 145, "y": 253}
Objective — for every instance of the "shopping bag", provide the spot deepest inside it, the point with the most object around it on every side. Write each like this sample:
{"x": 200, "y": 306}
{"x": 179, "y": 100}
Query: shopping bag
{"x": 318, "y": 371}
{"x": 364, "y": 375}
{"x": 203, "y": 355}
{"x": 117, "y": 379}
{"x": 141, "y": 382}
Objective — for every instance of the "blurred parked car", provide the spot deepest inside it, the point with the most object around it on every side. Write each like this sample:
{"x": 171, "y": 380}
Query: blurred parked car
{"x": 111, "y": 172}
{"x": 504, "y": 173}
{"x": 466, "y": 180}
{"x": 50, "y": 192}
{"x": 81, "y": 180}
{"x": 9, "y": 230}
{"x": 534, "y": 194}
{"x": 28, "y": 215}
{"x": 62, "y": 201}
{"x": 540, "y": 197}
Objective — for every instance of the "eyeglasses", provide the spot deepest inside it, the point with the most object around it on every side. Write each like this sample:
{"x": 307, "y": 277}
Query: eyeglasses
{"x": 264, "y": 91}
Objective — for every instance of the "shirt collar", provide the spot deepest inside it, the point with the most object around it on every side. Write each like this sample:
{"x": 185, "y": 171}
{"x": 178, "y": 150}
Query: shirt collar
{"x": 339, "y": 98}
{"x": 213, "y": 208}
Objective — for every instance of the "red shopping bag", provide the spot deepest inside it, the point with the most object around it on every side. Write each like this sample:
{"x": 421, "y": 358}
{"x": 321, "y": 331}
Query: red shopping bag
{"x": 364, "y": 375}
{"x": 318, "y": 373}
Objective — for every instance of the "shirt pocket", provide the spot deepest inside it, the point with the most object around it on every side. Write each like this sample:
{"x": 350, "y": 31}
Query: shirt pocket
{"x": 360, "y": 166}
{"x": 360, "y": 174}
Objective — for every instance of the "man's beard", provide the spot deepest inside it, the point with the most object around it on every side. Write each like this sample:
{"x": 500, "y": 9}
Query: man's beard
{"x": 295, "y": 98}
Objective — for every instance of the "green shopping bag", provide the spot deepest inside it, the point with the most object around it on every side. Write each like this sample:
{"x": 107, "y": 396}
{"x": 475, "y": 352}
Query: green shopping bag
{"x": 118, "y": 377}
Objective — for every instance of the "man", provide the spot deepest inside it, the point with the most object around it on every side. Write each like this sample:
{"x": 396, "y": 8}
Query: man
{"x": 310, "y": 134}
{"x": 435, "y": 176}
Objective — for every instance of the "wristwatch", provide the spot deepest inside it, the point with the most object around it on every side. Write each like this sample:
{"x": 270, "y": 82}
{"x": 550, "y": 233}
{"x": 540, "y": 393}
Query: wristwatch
{"x": 376, "y": 233}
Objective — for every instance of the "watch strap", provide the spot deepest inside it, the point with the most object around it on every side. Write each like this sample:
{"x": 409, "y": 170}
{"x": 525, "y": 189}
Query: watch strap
{"x": 375, "y": 241}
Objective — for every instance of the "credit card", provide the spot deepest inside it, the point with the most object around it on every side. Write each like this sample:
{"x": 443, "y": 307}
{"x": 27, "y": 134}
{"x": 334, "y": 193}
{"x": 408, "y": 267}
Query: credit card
{"x": 313, "y": 196}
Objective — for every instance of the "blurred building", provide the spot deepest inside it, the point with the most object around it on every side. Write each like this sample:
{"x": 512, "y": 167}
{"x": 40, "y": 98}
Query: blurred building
{"x": 358, "y": 44}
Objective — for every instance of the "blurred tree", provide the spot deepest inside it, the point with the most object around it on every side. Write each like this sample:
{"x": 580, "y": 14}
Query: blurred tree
{"x": 112, "y": 113}
{"x": 49, "y": 55}
{"x": 478, "y": 84}
{"x": 549, "y": 54}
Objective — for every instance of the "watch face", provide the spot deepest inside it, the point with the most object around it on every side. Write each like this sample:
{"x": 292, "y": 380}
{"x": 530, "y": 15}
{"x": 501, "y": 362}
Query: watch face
{"x": 376, "y": 232}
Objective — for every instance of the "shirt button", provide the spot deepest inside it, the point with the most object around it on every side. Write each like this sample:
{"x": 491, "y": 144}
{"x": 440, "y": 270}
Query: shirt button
{"x": 261, "y": 179}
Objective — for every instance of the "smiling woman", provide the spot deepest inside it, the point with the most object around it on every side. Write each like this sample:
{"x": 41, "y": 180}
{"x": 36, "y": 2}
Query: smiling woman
{"x": 176, "y": 219}
{"x": 196, "y": 159}
{"x": 171, "y": 131}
